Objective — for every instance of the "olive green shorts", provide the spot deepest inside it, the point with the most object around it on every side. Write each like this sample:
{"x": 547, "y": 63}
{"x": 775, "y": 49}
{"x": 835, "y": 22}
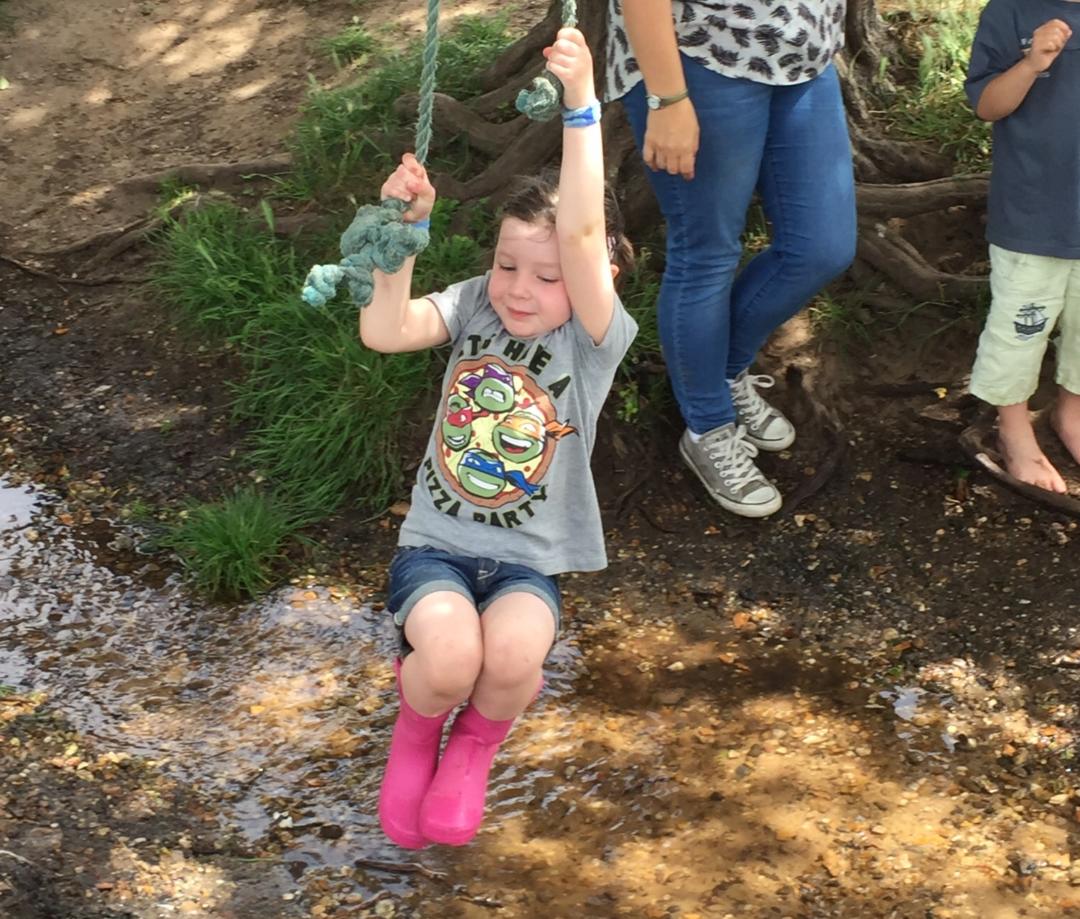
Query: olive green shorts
{"x": 1032, "y": 296}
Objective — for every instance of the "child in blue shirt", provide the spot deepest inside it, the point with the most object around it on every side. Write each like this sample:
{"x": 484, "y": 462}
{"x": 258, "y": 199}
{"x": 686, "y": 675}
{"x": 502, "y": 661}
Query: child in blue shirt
{"x": 1024, "y": 76}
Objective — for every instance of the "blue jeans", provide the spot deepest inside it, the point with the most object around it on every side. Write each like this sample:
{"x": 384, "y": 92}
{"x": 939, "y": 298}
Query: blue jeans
{"x": 791, "y": 144}
{"x": 417, "y": 571}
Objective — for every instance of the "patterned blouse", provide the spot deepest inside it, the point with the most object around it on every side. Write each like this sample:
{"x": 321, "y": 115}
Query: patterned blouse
{"x": 769, "y": 41}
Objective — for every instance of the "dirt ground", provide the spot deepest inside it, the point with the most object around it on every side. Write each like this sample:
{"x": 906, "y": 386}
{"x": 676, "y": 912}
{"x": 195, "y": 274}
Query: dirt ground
{"x": 733, "y": 638}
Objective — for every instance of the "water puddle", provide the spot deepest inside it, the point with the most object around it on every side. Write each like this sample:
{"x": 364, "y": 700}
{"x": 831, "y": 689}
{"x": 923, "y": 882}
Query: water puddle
{"x": 670, "y": 765}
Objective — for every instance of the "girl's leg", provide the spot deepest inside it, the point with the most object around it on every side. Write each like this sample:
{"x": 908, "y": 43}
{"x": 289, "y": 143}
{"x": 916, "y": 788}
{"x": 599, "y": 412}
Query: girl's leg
{"x": 1066, "y": 416}
{"x": 807, "y": 189}
{"x": 519, "y": 629}
{"x": 705, "y": 218}
{"x": 444, "y": 631}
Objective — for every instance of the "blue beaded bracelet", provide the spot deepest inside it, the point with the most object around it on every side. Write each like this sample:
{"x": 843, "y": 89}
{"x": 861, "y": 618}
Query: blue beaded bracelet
{"x": 424, "y": 224}
{"x": 582, "y": 117}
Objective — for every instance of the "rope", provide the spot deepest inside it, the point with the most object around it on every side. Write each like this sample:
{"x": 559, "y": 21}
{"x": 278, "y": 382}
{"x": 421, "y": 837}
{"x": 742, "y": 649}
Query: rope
{"x": 377, "y": 236}
{"x": 542, "y": 101}
{"x": 427, "y": 82}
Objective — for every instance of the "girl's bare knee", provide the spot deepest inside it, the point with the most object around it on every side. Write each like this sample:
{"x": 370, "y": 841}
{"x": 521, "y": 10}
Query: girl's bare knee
{"x": 444, "y": 632}
{"x": 507, "y": 665}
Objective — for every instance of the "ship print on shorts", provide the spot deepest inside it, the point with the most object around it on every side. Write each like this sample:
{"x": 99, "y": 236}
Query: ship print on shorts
{"x": 1030, "y": 321}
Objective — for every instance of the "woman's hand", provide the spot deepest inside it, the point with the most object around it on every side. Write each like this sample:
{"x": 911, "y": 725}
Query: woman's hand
{"x": 409, "y": 182}
{"x": 571, "y": 61}
{"x": 671, "y": 139}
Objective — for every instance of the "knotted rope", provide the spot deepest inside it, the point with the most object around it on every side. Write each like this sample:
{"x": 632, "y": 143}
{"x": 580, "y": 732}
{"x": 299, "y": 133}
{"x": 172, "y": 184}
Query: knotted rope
{"x": 542, "y": 101}
{"x": 377, "y": 236}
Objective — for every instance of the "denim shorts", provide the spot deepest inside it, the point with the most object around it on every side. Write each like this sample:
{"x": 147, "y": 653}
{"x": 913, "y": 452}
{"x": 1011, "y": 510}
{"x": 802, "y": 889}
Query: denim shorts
{"x": 417, "y": 571}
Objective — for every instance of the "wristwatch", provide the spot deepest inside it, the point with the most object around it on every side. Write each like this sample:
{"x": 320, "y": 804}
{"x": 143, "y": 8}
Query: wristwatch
{"x": 656, "y": 102}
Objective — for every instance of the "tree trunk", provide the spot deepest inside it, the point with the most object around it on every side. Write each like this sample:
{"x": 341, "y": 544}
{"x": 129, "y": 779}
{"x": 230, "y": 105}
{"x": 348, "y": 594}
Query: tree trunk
{"x": 897, "y": 178}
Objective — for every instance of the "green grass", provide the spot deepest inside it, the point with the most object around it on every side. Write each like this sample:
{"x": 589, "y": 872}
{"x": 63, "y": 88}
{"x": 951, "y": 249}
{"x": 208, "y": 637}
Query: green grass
{"x": 325, "y": 413}
{"x": 350, "y": 44}
{"x": 842, "y": 319}
{"x": 934, "y": 108}
{"x": 232, "y": 548}
{"x": 641, "y": 391}
{"x": 340, "y": 142}
{"x": 324, "y": 410}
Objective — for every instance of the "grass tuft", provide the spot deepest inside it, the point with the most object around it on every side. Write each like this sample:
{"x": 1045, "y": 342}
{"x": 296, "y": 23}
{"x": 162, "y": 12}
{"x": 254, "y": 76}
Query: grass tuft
{"x": 350, "y": 44}
{"x": 232, "y": 548}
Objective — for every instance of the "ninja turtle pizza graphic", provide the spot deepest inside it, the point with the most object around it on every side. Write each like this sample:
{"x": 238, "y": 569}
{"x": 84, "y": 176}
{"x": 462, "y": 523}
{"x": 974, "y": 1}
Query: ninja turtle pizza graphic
{"x": 498, "y": 433}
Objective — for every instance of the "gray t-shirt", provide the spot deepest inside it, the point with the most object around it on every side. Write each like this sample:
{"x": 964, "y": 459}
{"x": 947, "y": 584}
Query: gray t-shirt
{"x": 506, "y": 474}
{"x": 780, "y": 42}
{"x": 1034, "y": 203}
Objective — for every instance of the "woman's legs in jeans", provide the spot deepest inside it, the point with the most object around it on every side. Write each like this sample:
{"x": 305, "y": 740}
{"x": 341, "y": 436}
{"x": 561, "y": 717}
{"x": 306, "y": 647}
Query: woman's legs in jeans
{"x": 807, "y": 188}
{"x": 794, "y": 140}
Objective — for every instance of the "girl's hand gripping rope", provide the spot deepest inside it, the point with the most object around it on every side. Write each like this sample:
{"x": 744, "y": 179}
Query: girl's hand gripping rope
{"x": 380, "y": 237}
{"x": 410, "y": 183}
{"x": 570, "y": 60}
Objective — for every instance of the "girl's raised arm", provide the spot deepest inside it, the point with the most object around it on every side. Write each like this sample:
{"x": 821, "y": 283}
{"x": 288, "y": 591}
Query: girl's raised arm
{"x": 392, "y": 321}
{"x": 584, "y": 256}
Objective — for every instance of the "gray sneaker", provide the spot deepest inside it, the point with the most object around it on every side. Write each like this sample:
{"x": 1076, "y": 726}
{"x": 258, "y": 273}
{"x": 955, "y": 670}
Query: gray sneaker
{"x": 724, "y": 461}
{"x": 766, "y": 427}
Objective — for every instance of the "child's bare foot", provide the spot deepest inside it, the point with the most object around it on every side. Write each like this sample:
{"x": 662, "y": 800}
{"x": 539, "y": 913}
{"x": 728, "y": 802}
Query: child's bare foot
{"x": 1065, "y": 420}
{"x": 1023, "y": 456}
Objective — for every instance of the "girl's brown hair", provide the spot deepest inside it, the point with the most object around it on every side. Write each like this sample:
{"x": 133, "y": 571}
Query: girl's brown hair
{"x": 534, "y": 199}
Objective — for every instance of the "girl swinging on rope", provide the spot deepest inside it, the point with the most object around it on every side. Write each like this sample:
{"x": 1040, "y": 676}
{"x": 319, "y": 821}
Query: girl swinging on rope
{"x": 504, "y": 501}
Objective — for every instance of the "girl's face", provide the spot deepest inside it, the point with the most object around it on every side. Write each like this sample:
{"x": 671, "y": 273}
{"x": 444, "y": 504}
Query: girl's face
{"x": 526, "y": 286}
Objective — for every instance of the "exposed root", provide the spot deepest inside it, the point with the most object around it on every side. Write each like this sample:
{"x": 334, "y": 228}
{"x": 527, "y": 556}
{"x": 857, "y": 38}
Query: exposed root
{"x": 978, "y": 442}
{"x": 524, "y": 53}
{"x": 903, "y": 264}
{"x": 207, "y": 175}
{"x": 453, "y": 117}
{"x": 525, "y": 156}
{"x": 62, "y": 281}
{"x": 836, "y": 442}
{"x": 98, "y": 239}
{"x": 907, "y": 200}
{"x": 121, "y": 244}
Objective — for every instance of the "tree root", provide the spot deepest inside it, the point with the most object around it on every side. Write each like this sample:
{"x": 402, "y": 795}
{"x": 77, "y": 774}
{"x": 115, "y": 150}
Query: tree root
{"x": 524, "y": 52}
{"x": 975, "y": 443}
{"x": 453, "y": 117}
{"x": 490, "y": 102}
{"x": 907, "y": 200}
{"x": 525, "y": 156}
{"x": 89, "y": 242}
{"x": 62, "y": 281}
{"x": 836, "y": 448}
{"x": 209, "y": 175}
{"x": 897, "y": 259}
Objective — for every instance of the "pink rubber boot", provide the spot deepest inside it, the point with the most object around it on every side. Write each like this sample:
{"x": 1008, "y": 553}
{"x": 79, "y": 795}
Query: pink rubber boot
{"x": 414, "y": 753}
{"x": 453, "y": 809}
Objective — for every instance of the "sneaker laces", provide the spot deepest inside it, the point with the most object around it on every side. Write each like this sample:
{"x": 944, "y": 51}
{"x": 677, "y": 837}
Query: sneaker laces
{"x": 733, "y": 456}
{"x": 753, "y": 410}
